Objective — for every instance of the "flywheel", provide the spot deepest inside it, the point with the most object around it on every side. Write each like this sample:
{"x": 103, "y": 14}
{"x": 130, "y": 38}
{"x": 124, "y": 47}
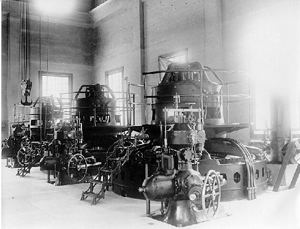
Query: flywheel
{"x": 211, "y": 194}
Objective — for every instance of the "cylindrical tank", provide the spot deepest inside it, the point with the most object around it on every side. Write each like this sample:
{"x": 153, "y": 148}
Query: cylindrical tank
{"x": 188, "y": 87}
{"x": 159, "y": 186}
{"x": 178, "y": 135}
{"x": 49, "y": 163}
{"x": 97, "y": 107}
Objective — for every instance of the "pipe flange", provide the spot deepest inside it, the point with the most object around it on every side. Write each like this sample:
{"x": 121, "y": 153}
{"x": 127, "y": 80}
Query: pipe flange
{"x": 195, "y": 195}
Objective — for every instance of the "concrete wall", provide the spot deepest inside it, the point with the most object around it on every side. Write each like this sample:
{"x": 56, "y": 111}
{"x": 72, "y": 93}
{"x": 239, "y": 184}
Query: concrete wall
{"x": 66, "y": 46}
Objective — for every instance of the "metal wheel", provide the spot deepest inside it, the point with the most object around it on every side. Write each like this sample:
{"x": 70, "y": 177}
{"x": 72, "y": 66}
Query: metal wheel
{"x": 211, "y": 194}
{"x": 77, "y": 167}
{"x": 37, "y": 156}
{"x": 24, "y": 155}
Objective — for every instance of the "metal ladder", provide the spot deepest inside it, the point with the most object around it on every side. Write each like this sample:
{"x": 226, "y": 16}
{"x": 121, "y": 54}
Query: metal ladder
{"x": 107, "y": 172}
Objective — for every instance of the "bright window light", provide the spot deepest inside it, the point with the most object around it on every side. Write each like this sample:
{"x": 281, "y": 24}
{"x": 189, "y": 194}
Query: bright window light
{"x": 55, "y": 6}
{"x": 295, "y": 106}
{"x": 53, "y": 84}
{"x": 114, "y": 79}
{"x": 178, "y": 59}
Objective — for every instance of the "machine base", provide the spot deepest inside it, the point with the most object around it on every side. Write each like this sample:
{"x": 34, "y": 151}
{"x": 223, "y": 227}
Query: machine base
{"x": 180, "y": 214}
{"x": 130, "y": 179}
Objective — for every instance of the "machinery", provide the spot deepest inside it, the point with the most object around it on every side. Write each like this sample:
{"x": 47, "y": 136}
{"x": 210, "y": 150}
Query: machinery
{"x": 67, "y": 146}
{"x": 117, "y": 155}
{"x": 187, "y": 196}
{"x": 184, "y": 152}
{"x": 12, "y": 145}
{"x": 181, "y": 115}
{"x": 44, "y": 114}
{"x": 185, "y": 148}
{"x": 28, "y": 156}
{"x": 75, "y": 153}
{"x": 66, "y": 155}
{"x": 29, "y": 132}
{"x": 95, "y": 105}
{"x": 184, "y": 84}
{"x": 51, "y": 143}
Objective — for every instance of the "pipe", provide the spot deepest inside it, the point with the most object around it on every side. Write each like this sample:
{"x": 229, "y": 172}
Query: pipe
{"x": 251, "y": 187}
{"x": 147, "y": 200}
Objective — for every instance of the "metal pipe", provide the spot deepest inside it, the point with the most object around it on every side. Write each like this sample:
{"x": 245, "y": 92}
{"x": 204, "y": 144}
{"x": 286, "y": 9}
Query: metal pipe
{"x": 133, "y": 108}
{"x": 227, "y": 107}
{"x": 128, "y": 104}
{"x": 165, "y": 138}
{"x": 147, "y": 200}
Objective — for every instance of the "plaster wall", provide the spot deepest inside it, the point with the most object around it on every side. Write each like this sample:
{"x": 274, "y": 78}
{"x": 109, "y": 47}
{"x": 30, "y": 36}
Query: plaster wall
{"x": 60, "y": 44}
{"x": 260, "y": 39}
{"x": 168, "y": 26}
{"x": 117, "y": 32}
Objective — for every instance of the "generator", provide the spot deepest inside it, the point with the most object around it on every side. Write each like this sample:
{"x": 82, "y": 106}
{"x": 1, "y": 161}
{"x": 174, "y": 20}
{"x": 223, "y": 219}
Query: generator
{"x": 187, "y": 107}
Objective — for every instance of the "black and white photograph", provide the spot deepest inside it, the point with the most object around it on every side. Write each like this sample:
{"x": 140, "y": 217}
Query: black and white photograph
{"x": 158, "y": 114}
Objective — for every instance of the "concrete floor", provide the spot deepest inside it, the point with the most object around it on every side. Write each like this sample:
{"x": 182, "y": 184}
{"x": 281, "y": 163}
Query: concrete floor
{"x": 31, "y": 202}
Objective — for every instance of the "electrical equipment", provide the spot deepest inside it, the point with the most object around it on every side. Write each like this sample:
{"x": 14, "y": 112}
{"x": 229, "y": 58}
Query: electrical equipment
{"x": 44, "y": 113}
{"x": 95, "y": 105}
{"x": 187, "y": 197}
{"x": 186, "y": 86}
{"x": 182, "y": 116}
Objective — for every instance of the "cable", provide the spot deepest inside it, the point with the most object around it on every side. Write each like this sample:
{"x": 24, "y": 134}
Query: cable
{"x": 251, "y": 186}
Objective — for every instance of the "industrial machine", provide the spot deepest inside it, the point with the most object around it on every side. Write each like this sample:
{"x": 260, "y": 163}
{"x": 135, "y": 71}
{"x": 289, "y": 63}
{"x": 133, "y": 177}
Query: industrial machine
{"x": 187, "y": 196}
{"x": 28, "y": 156}
{"x": 66, "y": 155}
{"x": 185, "y": 152}
{"x": 184, "y": 149}
{"x": 95, "y": 105}
{"x": 187, "y": 106}
{"x": 13, "y": 143}
{"x": 188, "y": 86}
{"x": 76, "y": 152}
{"x": 44, "y": 114}
{"x": 117, "y": 155}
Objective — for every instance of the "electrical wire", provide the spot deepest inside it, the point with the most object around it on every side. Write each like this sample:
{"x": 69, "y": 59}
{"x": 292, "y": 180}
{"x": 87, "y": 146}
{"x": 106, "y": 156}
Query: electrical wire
{"x": 251, "y": 185}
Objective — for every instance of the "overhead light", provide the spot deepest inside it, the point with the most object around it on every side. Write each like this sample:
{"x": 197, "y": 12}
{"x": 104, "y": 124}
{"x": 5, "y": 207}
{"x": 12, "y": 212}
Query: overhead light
{"x": 53, "y": 7}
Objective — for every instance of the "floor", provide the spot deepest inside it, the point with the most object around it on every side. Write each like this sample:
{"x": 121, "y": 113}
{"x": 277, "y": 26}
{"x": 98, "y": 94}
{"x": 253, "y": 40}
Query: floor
{"x": 31, "y": 202}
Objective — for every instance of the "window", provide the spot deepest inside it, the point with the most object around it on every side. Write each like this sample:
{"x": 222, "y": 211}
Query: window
{"x": 295, "y": 108}
{"x": 261, "y": 108}
{"x": 175, "y": 57}
{"x": 114, "y": 80}
{"x": 53, "y": 84}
